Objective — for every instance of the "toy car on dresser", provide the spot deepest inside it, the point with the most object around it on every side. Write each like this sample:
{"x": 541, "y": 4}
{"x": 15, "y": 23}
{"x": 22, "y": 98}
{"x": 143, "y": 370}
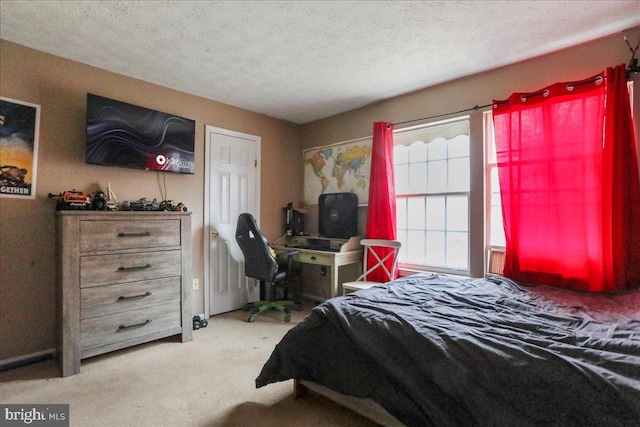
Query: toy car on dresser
{"x": 72, "y": 200}
{"x": 79, "y": 200}
{"x": 172, "y": 206}
{"x": 143, "y": 205}
{"x": 152, "y": 205}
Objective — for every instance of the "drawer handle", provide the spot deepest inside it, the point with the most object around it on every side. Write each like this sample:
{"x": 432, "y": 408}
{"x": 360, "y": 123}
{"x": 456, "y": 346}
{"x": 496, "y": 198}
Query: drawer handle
{"x": 313, "y": 257}
{"x": 124, "y": 297}
{"x": 135, "y": 325}
{"x": 137, "y": 267}
{"x": 145, "y": 234}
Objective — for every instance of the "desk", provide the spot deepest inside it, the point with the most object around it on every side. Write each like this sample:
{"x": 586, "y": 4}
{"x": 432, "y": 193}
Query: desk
{"x": 323, "y": 251}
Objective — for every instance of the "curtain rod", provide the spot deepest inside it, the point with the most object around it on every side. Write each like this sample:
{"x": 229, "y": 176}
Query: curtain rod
{"x": 570, "y": 87}
{"x": 475, "y": 108}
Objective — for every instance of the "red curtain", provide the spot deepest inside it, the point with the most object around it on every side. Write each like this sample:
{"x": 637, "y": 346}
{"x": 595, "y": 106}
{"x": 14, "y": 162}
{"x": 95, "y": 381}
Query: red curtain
{"x": 622, "y": 200}
{"x": 569, "y": 184}
{"x": 381, "y": 212}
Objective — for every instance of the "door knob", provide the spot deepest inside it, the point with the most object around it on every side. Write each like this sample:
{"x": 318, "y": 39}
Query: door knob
{"x": 214, "y": 233}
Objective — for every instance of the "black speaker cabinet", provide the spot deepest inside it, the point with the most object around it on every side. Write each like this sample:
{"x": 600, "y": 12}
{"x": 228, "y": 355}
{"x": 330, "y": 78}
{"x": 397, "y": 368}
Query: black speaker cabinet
{"x": 338, "y": 215}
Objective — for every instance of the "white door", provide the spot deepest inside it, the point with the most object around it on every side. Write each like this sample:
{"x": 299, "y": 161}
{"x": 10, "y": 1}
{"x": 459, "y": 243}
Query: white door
{"x": 231, "y": 187}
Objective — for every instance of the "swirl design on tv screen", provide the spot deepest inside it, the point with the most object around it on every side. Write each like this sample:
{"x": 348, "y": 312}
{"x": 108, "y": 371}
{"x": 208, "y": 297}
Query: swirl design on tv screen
{"x": 125, "y": 135}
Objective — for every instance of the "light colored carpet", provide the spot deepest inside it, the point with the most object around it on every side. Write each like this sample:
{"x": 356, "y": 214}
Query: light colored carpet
{"x": 206, "y": 382}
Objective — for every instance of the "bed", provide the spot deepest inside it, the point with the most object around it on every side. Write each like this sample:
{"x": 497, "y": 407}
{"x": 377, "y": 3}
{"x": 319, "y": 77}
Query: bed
{"x": 438, "y": 350}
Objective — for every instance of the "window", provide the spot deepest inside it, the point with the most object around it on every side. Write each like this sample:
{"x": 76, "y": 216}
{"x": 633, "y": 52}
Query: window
{"x": 432, "y": 182}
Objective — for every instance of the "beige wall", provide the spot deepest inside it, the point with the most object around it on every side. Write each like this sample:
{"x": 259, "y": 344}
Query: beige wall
{"x": 59, "y": 86}
{"x": 571, "y": 64}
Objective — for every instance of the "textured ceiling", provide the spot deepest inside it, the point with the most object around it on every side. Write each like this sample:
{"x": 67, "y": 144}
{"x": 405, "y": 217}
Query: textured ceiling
{"x": 302, "y": 61}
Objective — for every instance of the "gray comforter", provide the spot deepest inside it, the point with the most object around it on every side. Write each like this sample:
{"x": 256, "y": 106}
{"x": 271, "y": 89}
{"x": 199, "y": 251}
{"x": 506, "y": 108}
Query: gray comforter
{"x": 443, "y": 351}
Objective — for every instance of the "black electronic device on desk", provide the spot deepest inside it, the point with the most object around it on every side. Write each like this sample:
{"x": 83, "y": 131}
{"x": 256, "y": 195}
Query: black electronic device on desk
{"x": 294, "y": 222}
{"x": 315, "y": 245}
{"x": 338, "y": 215}
{"x": 325, "y": 245}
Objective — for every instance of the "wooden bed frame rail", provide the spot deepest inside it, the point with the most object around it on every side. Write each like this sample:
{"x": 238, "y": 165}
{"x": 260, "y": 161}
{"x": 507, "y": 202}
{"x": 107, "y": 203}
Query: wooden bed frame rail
{"x": 363, "y": 406}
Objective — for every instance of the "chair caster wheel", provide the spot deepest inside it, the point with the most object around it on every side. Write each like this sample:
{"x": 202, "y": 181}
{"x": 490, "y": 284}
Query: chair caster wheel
{"x": 287, "y": 318}
{"x": 252, "y": 318}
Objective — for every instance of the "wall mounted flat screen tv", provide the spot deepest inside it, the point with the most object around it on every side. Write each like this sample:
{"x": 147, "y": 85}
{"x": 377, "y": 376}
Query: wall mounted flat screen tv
{"x": 125, "y": 135}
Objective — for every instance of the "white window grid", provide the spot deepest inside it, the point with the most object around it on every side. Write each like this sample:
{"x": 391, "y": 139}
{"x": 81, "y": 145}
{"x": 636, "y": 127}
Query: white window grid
{"x": 432, "y": 197}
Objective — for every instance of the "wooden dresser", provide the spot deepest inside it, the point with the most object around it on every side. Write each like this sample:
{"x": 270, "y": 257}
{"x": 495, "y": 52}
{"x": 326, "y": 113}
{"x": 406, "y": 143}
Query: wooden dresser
{"x": 123, "y": 278}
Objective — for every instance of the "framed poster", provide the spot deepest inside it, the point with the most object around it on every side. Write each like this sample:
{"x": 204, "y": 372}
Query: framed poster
{"x": 19, "y": 129}
{"x": 344, "y": 167}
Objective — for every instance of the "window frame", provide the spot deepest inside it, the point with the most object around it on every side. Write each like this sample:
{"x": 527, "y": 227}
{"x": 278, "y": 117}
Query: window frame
{"x": 409, "y": 267}
{"x": 490, "y": 165}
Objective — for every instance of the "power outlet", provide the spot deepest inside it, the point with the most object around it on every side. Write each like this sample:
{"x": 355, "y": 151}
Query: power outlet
{"x": 196, "y": 284}
{"x": 323, "y": 271}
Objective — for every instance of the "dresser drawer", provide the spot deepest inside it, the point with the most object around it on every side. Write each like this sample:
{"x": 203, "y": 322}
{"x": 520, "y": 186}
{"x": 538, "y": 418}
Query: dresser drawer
{"x": 101, "y": 270}
{"x": 107, "y": 330}
{"x": 100, "y": 235}
{"x": 102, "y": 300}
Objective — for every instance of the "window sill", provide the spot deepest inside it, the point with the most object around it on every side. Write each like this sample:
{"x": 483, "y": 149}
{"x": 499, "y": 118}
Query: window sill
{"x": 404, "y": 272}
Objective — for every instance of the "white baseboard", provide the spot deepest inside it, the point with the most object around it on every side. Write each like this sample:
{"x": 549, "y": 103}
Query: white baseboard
{"x": 26, "y": 359}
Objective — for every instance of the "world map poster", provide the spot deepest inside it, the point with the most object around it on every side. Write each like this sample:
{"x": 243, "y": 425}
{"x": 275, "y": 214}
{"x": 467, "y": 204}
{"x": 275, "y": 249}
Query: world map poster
{"x": 339, "y": 168}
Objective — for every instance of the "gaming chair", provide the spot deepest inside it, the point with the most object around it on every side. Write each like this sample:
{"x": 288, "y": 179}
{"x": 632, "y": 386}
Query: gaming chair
{"x": 261, "y": 264}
